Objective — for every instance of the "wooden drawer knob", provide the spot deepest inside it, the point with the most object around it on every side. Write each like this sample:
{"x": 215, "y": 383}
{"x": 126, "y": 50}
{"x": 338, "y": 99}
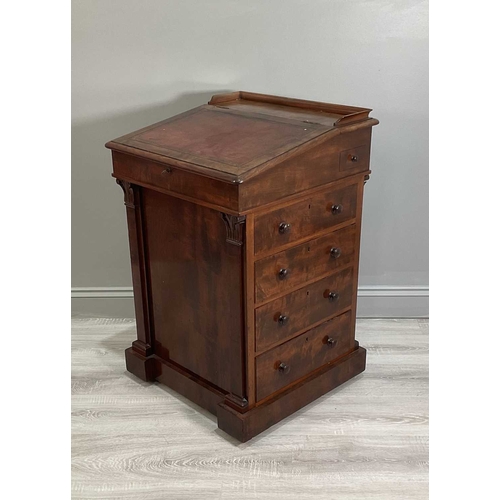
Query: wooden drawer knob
{"x": 282, "y": 320}
{"x": 333, "y": 296}
{"x": 330, "y": 341}
{"x": 353, "y": 158}
{"x": 283, "y": 368}
{"x": 284, "y": 227}
{"x": 335, "y": 253}
{"x": 337, "y": 209}
{"x": 283, "y": 273}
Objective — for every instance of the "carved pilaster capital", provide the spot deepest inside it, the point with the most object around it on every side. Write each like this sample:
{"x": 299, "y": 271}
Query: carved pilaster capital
{"x": 234, "y": 228}
{"x": 128, "y": 191}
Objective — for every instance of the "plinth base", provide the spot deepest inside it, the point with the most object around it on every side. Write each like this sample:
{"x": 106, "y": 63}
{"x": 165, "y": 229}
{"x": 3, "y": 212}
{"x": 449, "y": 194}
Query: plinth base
{"x": 244, "y": 425}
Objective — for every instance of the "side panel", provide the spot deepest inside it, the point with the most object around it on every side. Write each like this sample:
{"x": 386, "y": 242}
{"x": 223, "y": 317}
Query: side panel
{"x": 196, "y": 289}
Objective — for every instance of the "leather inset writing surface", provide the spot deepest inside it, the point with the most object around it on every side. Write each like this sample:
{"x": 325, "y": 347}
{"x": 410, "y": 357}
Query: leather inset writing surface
{"x": 225, "y": 137}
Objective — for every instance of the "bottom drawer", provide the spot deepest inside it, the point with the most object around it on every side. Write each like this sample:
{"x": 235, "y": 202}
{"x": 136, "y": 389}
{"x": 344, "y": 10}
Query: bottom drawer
{"x": 296, "y": 358}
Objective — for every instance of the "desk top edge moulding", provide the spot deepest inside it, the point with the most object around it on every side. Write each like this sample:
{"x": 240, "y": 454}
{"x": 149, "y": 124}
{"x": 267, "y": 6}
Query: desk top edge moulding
{"x": 244, "y": 225}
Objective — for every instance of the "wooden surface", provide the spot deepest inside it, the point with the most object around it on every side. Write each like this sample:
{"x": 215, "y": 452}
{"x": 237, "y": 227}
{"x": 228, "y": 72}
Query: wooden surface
{"x": 306, "y": 217}
{"x": 303, "y": 308}
{"x": 196, "y": 284}
{"x": 315, "y": 164}
{"x": 306, "y": 111}
{"x": 214, "y": 193}
{"x": 311, "y": 260}
{"x": 235, "y": 136}
{"x": 367, "y": 439}
{"x": 194, "y": 259}
{"x": 302, "y": 355}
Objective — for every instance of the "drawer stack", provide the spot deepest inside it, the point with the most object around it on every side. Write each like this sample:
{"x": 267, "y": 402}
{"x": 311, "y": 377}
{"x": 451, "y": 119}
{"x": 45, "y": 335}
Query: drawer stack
{"x": 305, "y": 275}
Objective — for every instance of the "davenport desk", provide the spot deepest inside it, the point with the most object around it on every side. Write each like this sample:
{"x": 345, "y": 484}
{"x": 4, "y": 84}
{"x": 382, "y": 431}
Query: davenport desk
{"x": 244, "y": 228}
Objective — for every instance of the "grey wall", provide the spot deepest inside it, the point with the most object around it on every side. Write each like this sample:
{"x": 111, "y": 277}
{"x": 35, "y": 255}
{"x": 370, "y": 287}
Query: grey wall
{"x": 135, "y": 63}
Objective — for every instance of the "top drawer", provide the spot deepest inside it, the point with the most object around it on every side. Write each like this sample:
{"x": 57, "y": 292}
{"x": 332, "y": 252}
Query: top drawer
{"x": 319, "y": 212}
{"x": 159, "y": 176}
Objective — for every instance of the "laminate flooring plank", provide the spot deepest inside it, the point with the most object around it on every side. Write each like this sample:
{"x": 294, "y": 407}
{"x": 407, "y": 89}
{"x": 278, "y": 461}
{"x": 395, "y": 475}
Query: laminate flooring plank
{"x": 367, "y": 439}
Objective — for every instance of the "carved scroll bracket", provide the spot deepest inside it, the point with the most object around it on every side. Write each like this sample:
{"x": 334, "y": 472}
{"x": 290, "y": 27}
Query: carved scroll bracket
{"x": 128, "y": 191}
{"x": 367, "y": 177}
{"x": 234, "y": 228}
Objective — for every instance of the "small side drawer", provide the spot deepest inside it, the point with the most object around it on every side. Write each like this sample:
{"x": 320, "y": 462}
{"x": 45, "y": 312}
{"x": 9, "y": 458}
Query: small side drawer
{"x": 288, "y": 269}
{"x": 296, "y": 358}
{"x": 280, "y": 319}
{"x": 319, "y": 212}
{"x": 355, "y": 159}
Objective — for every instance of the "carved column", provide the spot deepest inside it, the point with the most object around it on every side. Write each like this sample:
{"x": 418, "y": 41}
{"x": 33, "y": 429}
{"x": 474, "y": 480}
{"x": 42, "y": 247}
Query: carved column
{"x": 144, "y": 342}
{"x": 234, "y": 228}
{"x": 235, "y": 236}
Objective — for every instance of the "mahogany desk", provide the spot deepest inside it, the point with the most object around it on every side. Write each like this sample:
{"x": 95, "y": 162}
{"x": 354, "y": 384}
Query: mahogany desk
{"x": 244, "y": 220}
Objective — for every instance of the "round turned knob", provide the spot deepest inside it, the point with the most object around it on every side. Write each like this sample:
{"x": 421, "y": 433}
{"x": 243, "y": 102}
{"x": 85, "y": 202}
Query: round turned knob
{"x": 337, "y": 209}
{"x": 331, "y": 341}
{"x": 283, "y": 368}
{"x": 284, "y": 227}
{"x": 283, "y": 273}
{"x": 354, "y": 158}
{"x": 282, "y": 320}
{"x": 335, "y": 253}
{"x": 333, "y": 296}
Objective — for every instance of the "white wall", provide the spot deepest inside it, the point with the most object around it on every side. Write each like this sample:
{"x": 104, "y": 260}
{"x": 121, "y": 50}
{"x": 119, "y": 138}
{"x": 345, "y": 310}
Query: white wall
{"x": 135, "y": 63}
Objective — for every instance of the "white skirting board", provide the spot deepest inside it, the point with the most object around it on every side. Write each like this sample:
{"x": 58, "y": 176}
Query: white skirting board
{"x": 373, "y": 301}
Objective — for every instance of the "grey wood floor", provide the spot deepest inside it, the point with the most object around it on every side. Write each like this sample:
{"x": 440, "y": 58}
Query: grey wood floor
{"x": 367, "y": 439}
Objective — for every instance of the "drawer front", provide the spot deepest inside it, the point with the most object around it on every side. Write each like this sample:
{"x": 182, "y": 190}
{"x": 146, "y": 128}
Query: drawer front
{"x": 355, "y": 159}
{"x": 296, "y": 358}
{"x": 305, "y": 218}
{"x": 288, "y": 269}
{"x": 283, "y": 317}
{"x": 156, "y": 175}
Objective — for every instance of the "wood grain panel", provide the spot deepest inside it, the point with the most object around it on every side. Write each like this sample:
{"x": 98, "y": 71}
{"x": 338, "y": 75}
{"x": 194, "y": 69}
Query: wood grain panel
{"x": 302, "y": 308}
{"x": 153, "y": 174}
{"x": 313, "y": 259}
{"x": 249, "y": 310}
{"x": 197, "y": 290}
{"x": 314, "y": 165}
{"x": 303, "y": 355}
{"x": 306, "y": 217}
